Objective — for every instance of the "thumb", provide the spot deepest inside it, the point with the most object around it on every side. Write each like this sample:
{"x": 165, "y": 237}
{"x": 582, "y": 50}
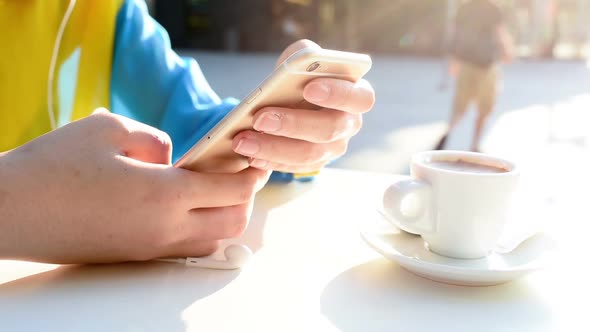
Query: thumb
{"x": 100, "y": 110}
{"x": 147, "y": 144}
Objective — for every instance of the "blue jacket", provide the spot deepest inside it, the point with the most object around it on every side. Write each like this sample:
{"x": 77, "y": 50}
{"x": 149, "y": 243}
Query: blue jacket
{"x": 174, "y": 95}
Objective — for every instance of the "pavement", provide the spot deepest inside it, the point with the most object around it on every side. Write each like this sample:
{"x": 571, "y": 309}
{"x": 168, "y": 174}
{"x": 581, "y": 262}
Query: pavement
{"x": 541, "y": 102}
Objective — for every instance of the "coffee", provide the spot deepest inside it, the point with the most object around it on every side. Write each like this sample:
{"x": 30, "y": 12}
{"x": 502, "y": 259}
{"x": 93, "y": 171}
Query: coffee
{"x": 465, "y": 166}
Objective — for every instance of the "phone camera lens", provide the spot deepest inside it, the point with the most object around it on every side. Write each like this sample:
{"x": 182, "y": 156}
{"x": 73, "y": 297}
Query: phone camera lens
{"x": 313, "y": 66}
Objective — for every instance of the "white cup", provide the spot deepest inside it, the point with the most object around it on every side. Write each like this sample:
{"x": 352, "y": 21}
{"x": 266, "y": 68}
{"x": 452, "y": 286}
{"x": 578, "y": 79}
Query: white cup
{"x": 461, "y": 201}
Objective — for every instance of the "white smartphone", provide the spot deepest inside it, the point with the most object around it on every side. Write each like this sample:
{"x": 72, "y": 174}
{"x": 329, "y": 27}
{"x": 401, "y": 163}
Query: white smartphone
{"x": 283, "y": 88}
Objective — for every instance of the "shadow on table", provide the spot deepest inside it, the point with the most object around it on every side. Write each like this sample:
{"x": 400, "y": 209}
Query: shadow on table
{"x": 149, "y": 296}
{"x": 272, "y": 196}
{"x": 382, "y": 296}
{"x": 115, "y": 297}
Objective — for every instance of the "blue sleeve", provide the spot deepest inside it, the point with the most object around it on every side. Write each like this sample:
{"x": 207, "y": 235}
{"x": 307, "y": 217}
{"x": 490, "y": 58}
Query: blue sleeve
{"x": 152, "y": 84}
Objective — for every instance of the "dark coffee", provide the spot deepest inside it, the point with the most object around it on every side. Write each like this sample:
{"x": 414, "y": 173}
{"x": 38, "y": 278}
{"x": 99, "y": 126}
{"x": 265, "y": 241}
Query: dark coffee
{"x": 465, "y": 166}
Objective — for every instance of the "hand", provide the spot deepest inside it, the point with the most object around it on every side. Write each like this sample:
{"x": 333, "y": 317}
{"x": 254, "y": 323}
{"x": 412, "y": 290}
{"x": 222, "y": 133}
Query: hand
{"x": 454, "y": 67}
{"x": 102, "y": 190}
{"x": 300, "y": 140}
{"x": 506, "y": 42}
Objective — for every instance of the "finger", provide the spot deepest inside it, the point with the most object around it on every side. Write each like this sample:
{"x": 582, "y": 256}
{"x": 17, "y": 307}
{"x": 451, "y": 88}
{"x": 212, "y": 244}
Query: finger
{"x": 339, "y": 94}
{"x": 191, "y": 248}
{"x": 131, "y": 138}
{"x": 293, "y": 48}
{"x": 219, "y": 223}
{"x": 100, "y": 110}
{"x": 321, "y": 126}
{"x": 284, "y": 150}
{"x": 203, "y": 228}
{"x": 203, "y": 190}
{"x": 148, "y": 145}
{"x": 142, "y": 142}
{"x": 263, "y": 164}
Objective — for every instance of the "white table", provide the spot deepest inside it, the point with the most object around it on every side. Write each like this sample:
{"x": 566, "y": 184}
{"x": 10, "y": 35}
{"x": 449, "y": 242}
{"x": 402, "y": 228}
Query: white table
{"x": 310, "y": 272}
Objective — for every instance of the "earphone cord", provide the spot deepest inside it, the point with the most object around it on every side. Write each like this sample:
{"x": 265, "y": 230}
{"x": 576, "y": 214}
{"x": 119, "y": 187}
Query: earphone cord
{"x": 52, "y": 64}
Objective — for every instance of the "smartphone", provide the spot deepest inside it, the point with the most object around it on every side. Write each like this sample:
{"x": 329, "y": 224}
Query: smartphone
{"x": 282, "y": 88}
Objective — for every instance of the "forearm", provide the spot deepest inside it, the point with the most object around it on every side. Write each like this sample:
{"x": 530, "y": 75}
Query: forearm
{"x": 506, "y": 42}
{"x": 454, "y": 66}
{"x": 25, "y": 201}
{"x": 8, "y": 205}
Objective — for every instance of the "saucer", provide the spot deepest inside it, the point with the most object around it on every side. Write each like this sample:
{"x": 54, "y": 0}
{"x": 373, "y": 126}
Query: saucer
{"x": 410, "y": 252}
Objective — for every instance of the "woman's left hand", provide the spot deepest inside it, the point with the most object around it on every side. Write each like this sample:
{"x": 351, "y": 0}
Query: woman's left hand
{"x": 302, "y": 140}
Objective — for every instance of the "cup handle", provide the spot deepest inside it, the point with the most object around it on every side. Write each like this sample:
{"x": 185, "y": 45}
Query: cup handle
{"x": 421, "y": 222}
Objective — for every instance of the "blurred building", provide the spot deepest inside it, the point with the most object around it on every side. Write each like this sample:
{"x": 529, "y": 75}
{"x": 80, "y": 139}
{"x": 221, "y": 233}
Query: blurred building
{"x": 540, "y": 27}
{"x": 269, "y": 25}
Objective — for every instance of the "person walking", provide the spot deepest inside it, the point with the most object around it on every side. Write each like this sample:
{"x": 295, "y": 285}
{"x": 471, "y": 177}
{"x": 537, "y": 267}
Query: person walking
{"x": 480, "y": 43}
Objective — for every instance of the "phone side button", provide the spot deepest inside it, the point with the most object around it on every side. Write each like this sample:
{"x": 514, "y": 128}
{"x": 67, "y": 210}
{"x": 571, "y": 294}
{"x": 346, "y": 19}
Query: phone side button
{"x": 253, "y": 95}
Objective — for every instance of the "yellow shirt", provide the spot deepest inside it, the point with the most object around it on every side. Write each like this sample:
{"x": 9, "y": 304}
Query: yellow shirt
{"x": 82, "y": 76}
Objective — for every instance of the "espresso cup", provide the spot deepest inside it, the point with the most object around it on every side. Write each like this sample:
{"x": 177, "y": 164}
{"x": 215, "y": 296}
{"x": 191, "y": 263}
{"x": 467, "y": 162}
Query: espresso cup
{"x": 461, "y": 201}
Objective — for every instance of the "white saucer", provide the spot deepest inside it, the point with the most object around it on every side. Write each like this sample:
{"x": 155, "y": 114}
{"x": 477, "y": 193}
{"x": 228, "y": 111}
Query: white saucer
{"x": 409, "y": 251}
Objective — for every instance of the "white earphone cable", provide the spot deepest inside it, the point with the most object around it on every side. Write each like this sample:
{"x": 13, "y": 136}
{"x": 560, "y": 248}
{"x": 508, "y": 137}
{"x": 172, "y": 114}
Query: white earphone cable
{"x": 53, "y": 63}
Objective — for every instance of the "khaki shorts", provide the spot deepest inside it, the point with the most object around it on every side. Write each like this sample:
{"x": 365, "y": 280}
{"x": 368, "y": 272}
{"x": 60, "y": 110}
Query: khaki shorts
{"x": 476, "y": 84}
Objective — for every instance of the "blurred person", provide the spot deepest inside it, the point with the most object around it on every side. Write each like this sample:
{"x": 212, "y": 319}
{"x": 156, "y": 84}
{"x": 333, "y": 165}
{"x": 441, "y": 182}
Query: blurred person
{"x": 480, "y": 42}
{"x": 78, "y": 187}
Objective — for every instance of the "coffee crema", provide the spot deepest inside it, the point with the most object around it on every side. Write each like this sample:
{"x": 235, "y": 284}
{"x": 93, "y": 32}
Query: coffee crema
{"x": 465, "y": 166}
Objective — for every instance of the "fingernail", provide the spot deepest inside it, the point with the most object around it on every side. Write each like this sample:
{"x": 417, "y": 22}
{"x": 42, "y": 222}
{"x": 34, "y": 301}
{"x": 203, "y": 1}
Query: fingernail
{"x": 258, "y": 163}
{"x": 247, "y": 147}
{"x": 268, "y": 122}
{"x": 316, "y": 92}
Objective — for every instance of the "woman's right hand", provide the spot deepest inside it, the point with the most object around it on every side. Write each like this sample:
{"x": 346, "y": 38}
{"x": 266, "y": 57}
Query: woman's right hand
{"x": 102, "y": 189}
